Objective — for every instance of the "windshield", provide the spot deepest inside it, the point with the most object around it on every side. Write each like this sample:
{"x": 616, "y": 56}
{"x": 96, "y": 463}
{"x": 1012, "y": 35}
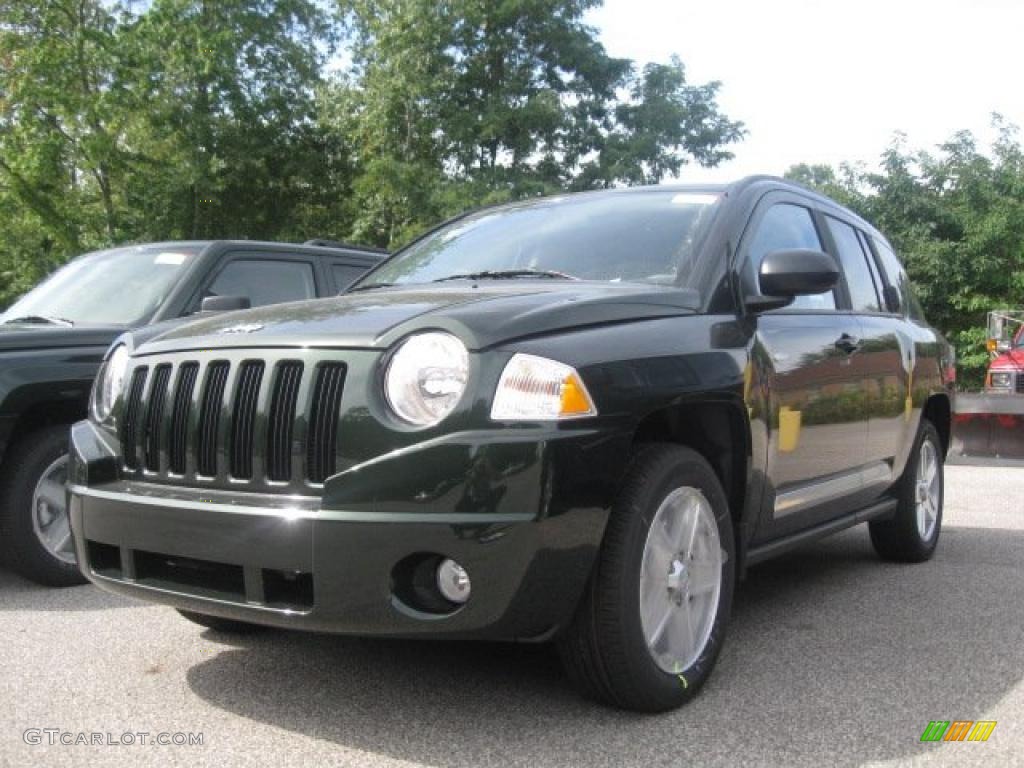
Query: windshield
{"x": 645, "y": 237}
{"x": 122, "y": 286}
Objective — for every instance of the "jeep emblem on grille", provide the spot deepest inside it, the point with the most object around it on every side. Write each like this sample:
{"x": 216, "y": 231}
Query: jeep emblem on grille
{"x": 245, "y": 328}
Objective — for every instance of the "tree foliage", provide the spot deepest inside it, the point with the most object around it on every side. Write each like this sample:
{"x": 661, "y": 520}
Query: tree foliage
{"x": 167, "y": 119}
{"x": 956, "y": 216}
{"x": 462, "y": 102}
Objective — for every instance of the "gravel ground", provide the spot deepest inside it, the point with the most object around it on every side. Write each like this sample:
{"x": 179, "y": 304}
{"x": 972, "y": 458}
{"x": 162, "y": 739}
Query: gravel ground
{"x": 833, "y": 659}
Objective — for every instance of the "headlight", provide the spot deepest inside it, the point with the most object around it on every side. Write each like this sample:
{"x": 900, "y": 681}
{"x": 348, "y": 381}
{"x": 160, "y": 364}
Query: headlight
{"x": 537, "y": 389}
{"x": 426, "y": 378}
{"x": 111, "y": 382}
{"x": 1000, "y": 380}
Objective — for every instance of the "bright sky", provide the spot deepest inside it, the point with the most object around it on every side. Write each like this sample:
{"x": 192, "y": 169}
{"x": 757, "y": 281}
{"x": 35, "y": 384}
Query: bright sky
{"x": 829, "y": 80}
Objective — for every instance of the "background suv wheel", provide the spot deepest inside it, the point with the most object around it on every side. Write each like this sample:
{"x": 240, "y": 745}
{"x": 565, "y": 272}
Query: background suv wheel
{"x": 34, "y": 525}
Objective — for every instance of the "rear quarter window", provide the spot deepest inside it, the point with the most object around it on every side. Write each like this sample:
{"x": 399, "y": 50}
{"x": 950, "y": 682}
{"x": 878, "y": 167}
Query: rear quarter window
{"x": 896, "y": 276}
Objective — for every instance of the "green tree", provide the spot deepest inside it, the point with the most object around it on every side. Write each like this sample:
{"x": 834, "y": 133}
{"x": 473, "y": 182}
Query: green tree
{"x": 957, "y": 218}
{"x": 62, "y": 158}
{"x": 229, "y": 88}
{"x": 473, "y": 101}
{"x": 60, "y": 125}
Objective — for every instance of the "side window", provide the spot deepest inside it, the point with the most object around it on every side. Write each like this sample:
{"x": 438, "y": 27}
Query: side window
{"x": 897, "y": 277}
{"x": 346, "y": 274}
{"x": 789, "y": 226}
{"x": 265, "y": 282}
{"x": 863, "y": 296}
{"x": 873, "y": 266}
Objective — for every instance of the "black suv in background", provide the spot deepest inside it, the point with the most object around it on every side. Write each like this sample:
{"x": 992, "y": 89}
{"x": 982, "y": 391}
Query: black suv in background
{"x": 576, "y": 418}
{"x": 53, "y": 339}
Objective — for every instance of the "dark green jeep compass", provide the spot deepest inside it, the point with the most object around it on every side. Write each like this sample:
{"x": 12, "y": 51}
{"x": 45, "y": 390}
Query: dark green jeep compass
{"x": 574, "y": 418}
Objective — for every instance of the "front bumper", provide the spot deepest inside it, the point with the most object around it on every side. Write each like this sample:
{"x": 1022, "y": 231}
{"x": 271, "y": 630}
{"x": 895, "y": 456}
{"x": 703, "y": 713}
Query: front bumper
{"x": 524, "y": 517}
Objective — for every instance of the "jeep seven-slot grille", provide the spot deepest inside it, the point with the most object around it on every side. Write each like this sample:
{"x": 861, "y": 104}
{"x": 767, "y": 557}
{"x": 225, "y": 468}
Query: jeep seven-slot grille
{"x": 209, "y": 418}
{"x": 1020, "y": 383}
{"x": 130, "y": 417}
{"x": 323, "y": 421}
{"x": 154, "y": 422}
{"x": 243, "y": 422}
{"x": 177, "y": 444}
{"x": 282, "y": 418}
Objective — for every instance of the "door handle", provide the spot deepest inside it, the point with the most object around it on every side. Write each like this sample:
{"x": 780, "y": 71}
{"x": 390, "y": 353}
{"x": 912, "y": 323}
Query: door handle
{"x": 848, "y": 344}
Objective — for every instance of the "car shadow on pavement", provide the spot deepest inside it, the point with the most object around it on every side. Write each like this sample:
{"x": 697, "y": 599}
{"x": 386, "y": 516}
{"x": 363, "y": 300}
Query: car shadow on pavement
{"x": 18, "y": 594}
{"x": 834, "y": 658}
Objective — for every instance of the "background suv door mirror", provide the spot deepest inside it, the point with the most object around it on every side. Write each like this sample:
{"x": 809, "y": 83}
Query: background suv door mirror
{"x": 797, "y": 272}
{"x": 224, "y": 303}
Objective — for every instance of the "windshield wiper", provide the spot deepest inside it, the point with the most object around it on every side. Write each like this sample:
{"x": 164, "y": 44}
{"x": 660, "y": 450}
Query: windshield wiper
{"x": 39, "y": 319}
{"x": 367, "y": 287}
{"x": 508, "y": 274}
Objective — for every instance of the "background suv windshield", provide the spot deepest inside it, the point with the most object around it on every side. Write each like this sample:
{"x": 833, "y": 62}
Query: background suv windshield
{"x": 122, "y": 286}
{"x": 640, "y": 236}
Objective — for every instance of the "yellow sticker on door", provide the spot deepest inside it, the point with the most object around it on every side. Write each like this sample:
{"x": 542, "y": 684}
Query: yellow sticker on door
{"x": 789, "y": 429}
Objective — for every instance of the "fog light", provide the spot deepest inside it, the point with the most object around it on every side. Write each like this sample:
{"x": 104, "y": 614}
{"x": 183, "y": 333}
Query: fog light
{"x": 453, "y": 581}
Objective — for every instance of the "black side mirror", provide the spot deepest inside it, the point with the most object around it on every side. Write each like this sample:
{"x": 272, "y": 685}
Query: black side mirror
{"x": 797, "y": 272}
{"x": 224, "y": 303}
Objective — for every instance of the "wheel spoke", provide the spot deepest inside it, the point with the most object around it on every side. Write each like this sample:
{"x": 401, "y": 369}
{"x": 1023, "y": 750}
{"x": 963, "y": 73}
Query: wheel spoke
{"x": 52, "y": 492}
{"x": 681, "y": 637}
{"x": 705, "y": 576}
{"x": 657, "y": 557}
{"x": 692, "y": 533}
{"x": 674, "y": 517}
{"x": 62, "y": 535}
{"x": 662, "y": 624}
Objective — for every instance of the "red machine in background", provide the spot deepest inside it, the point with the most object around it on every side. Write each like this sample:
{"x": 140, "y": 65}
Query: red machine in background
{"x": 991, "y": 424}
{"x": 1006, "y": 343}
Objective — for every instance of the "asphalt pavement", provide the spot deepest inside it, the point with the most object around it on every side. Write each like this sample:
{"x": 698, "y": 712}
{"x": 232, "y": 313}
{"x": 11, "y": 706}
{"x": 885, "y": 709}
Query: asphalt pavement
{"x": 833, "y": 659}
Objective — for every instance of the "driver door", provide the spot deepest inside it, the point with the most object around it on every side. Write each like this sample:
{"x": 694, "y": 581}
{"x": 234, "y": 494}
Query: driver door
{"x": 817, "y": 434}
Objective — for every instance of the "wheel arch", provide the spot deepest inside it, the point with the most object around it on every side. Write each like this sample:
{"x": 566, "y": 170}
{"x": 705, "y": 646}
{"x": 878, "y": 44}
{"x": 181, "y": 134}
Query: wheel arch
{"x": 938, "y": 410}
{"x": 41, "y": 414}
{"x": 719, "y": 431}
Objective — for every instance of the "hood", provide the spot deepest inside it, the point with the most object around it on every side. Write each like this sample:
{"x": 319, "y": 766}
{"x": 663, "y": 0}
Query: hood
{"x": 481, "y": 314}
{"x": 29, "y": 336}
{"x": 1012, "y": 360}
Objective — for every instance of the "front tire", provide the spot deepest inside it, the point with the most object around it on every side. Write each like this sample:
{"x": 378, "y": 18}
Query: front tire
{"x": 654, "y": 615}
{"x": 35, "y": 529}
{"x": 913, "y": 533}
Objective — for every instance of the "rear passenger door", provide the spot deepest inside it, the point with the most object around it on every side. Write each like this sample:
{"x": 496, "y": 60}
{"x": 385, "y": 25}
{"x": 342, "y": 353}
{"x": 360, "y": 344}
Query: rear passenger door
{"x": 890, "y": 332}
{"x": 818, "y": 429}
{"x": 264, "y": 278}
